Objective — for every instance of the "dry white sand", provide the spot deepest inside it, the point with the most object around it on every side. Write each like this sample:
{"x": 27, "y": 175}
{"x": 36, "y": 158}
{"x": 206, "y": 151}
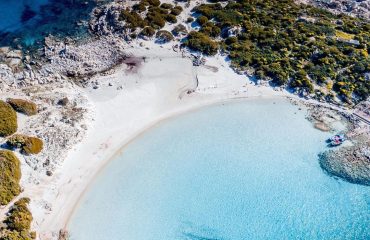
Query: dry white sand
{"x": 157, "y": 90}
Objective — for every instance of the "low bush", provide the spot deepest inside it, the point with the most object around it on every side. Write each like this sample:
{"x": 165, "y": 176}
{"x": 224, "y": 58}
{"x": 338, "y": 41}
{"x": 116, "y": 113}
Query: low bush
{"x": 190, "y": 20}
{"x": 156, "y": 20}
{"x": 28, "y": 145}
{"x": 198, "y": 41}
{"x": 166, "y": 5}
{"x": 176, "y": 10}
{"x": 133, "y": 20}
{"x": 10, "y": 174}
{"x": 171, "y": 18}
{"x": 140, "y": 7}
{"x": 202, "y": 20}
{"x": 23, "y": 106}
{"x": 179, "y": 29}
{"x": 18, "y": 222}
{"x": 8, "y": 119}
{"x": 164, "y": 36}
{"x": 155, "y": 3}
{"x": 147, "y": 32}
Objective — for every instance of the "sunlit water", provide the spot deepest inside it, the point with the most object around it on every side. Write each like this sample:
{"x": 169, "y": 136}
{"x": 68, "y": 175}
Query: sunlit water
{"x": 235, "y": 171}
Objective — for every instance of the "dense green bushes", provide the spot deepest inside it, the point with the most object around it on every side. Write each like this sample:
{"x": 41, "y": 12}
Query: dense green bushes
{"x": 10, "y": 174}
{"x": 156, "y": 17}
{"x": 133, "y": 19}
{"x": 27, "y": 107}
{"x": 8, "y": 119}
{"x": 18, "y": 222}
{"x": 295, "y": 45}
{"x": 200, "y": 42}
{"x": 28, "y": 145}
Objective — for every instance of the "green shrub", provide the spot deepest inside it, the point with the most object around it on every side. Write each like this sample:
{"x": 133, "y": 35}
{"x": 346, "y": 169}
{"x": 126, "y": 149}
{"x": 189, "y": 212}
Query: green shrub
{"x": 18, "y": 222}
{"x": 20, "y": 217}
{"x": 10, "y": 174}
{"x": 171, "y": 18}
{"x": 147, "y": 32}
{"x": 202, "y": 20}
{"x": 179, "y": 29}
{"x": 190, "y": 20}
{"x": 200, "y": 42}
{"x": 28, "y": 145}
{"x": 211, "y": 30}
{"x": 166, "y": 5}
{"x": 140, "y": 7}
{"x": 164, "y": 36}
{"x": 176, "y": 10}
{"x": 133, "y": 19}
{"x": 23, "y": 106}
{"x": 156, "y": 20}
{"x": 8, "y": 119}
{"x": 155, "y": 3}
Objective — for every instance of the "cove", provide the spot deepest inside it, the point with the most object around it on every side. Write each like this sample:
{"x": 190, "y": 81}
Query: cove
{"x": 233, "y": 171}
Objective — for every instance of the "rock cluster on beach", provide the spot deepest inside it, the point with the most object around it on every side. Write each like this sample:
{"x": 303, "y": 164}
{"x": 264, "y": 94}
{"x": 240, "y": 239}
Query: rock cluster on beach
{"x": 64, "y": 60}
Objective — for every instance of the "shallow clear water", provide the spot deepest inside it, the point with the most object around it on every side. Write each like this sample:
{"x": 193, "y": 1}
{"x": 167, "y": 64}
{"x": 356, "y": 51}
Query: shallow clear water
{"x": 241, "y": 170}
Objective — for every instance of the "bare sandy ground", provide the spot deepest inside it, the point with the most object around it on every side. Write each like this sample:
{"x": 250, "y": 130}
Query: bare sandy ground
{"x": 128, "y": 102}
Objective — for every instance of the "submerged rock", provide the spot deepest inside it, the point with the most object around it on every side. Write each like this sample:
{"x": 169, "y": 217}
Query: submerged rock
{"x": 350, "y": 163}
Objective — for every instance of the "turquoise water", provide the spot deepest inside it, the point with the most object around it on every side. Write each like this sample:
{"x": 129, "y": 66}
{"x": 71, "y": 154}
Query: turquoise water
{"x": 235, "y": 171}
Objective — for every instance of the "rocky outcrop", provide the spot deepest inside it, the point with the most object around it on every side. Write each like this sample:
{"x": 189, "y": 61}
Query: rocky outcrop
{"x": 350, "y": 163}
{"x": 356, "y": 8}
{"x": 105, "y": 20}
{"x": 65, "y": 60}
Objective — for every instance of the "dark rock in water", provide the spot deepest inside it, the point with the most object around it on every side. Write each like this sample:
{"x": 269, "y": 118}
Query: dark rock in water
{"x": 27, "y": 14}
{"x": 349, "y": 163}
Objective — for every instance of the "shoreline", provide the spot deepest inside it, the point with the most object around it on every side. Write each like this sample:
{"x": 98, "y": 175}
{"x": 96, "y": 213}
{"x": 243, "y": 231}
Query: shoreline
{"x": 155, "y": 123}
{"x": 149, "y": 97}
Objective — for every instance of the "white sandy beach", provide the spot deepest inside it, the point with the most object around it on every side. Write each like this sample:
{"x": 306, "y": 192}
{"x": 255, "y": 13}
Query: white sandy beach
{"x": 156, "y": 92}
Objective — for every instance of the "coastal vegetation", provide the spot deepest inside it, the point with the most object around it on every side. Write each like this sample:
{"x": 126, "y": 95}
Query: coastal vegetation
{"x": 150, "y": 13}
{"x": 10, "y": 175}
{"x": 28, "y": 145}
{"x": 164, "y": 36}
{"x": 18, "y": 222}
{"x": 8, "y": 119}
{"x": 310, "y": 50}
{"x": 23, "y": 106}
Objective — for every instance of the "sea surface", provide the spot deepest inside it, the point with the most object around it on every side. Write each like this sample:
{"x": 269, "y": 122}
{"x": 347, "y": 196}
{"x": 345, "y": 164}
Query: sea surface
{"x": 233, "y": 171}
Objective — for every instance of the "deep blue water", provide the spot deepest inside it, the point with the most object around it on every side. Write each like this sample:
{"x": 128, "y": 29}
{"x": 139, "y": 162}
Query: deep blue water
{"x": 25, "y": 23}
{"x": 15, "y": 13}
{"x": 235, "y": 171}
